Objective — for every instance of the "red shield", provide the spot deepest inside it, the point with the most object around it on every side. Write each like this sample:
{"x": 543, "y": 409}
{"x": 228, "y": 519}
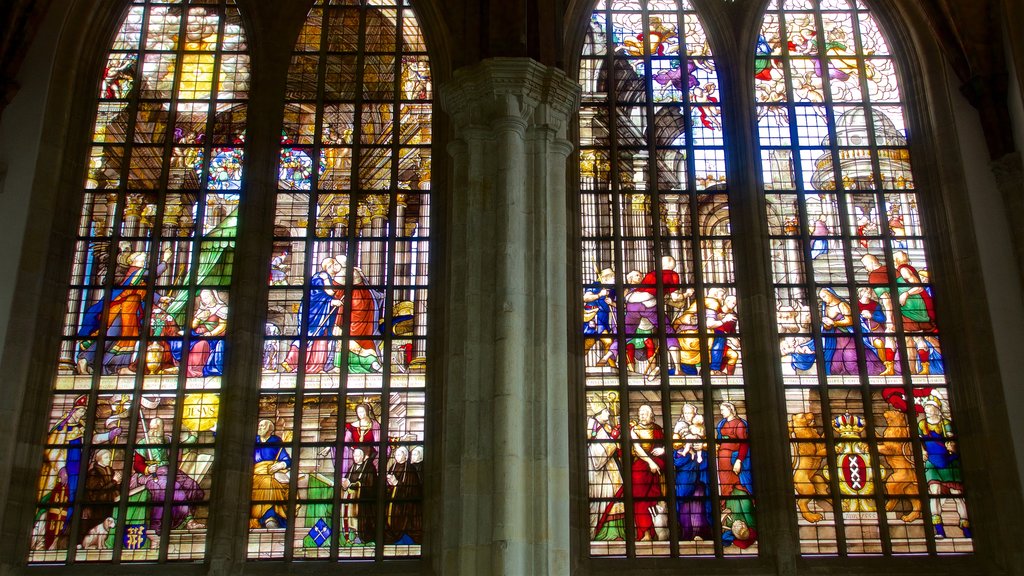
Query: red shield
{"x": 855, "y": 471}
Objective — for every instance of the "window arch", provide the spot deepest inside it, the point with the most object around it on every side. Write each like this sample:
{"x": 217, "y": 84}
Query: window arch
{"x": 612, "y": 395}
{"x": 337, "y": 464}
{"x": 126, "y": 472}
{"x": 669, "y": 468}
{"x": 864, "y": 373}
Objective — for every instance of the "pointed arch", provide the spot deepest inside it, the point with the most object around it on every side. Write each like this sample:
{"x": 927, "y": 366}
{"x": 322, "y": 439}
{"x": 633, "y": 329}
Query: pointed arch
{"x": 126, "y": 467}
{"x": 663, "y": 380}
{"x": 338, "y": 458}
{"x": 860, "y": 344}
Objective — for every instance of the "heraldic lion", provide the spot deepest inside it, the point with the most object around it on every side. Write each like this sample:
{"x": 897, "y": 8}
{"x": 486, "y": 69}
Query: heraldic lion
{"x": 898, "y": 465}
{"x": 809, "y": 480}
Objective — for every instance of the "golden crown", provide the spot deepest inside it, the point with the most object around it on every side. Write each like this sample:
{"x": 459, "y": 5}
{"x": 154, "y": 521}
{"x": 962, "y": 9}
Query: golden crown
{"x": 848, "y": 426}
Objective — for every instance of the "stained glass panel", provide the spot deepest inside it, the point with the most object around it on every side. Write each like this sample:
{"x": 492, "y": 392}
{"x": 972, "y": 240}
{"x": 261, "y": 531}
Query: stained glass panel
{"x": 662, "y": 344}
{"x": 126, "y": 472}
{"x": 339, "y": 448}
{"x": 876, "y": 469}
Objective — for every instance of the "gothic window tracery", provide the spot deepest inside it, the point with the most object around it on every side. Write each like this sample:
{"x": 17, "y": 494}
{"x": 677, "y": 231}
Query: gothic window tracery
{"x": 339, "y": 447}
{"x": 669, "y": 465}
{"x": 876, "y": 464}
{"x": 127, "y": 468}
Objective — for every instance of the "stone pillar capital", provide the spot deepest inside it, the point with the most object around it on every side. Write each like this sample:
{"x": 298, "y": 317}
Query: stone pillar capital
{"x": 510, "y": 94}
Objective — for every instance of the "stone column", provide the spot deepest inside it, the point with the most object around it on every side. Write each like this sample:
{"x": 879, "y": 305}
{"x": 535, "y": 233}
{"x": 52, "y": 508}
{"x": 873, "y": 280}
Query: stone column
{"x": 505, "y": 433}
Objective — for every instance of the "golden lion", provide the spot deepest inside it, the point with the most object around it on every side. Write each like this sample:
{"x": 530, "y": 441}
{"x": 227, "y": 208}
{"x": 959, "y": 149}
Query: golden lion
{"x": 898, "y": 465}
{"x": 808, "y": 479}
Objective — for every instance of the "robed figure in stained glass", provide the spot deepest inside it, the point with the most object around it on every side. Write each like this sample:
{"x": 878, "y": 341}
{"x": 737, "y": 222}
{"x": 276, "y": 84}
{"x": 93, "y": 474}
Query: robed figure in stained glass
{"x": 598, "y": 315}
{"x": 607, "y": 517}
{"x": 733, "y": 453}
{"x": 885, "y": 347}
{"x": 683, "y": 349}
{"x": 206, "y": 356}
{"x": 163, "y": 355}
{"x": 646, "y": 471}
{"x": 942, "y": 468}
{"x": 404, "y": 519}
{"x": 122, "y": 322}
{"x": 320, "y": 317}
{"x": 62, "y": 471}
{"x": 838, "y": 346}
{"x": 362, "y": 433}
{"x": 918, "y": 312}
{"x": 269, "y": 479}
{"x": 358, "y": 516}
{"x": 735, "y": 479}
{"x": 720, "y": 316}
{"x": 363, "y": 308}
{"x": 151, "y": 467}
{"x": 690, "y": 456}
{"x": 642, "y": 314}
{"x": 102, "y": 489}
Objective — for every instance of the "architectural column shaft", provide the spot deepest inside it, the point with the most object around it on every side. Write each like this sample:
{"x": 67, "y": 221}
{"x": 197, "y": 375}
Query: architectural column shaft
{"x": 551, "y": 392}
{"x": 505, "y": 432}
{"x": 510, "y": 334}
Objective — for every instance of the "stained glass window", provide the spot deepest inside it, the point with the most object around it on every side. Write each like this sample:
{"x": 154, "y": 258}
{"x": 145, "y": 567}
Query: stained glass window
{"x": 669, "y": 466}
{"x": 876, "y": 468}
{"x": 126, "y": 472}
{"x": 337, "y": 459}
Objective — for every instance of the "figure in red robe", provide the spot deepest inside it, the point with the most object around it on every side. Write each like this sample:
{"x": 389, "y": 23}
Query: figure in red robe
{"x": 646, "y": 471}
{"x": 362, "y": 314}
{"x": 733, "y": 453}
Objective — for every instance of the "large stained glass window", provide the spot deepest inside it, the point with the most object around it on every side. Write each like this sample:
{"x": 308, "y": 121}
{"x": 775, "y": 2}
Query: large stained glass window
{"x": 126, "y": 472}
{"x": 338, "y": 452}
{"x": 669, "y": 466}
{"x": 876, "y": 468}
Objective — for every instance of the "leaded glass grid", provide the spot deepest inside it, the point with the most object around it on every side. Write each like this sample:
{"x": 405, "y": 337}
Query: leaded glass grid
{"x": 339, "y": 448}
{"x": 126, "y": 474}
{"x": 876, "y": 469}
{"x": 661, "y": 338}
